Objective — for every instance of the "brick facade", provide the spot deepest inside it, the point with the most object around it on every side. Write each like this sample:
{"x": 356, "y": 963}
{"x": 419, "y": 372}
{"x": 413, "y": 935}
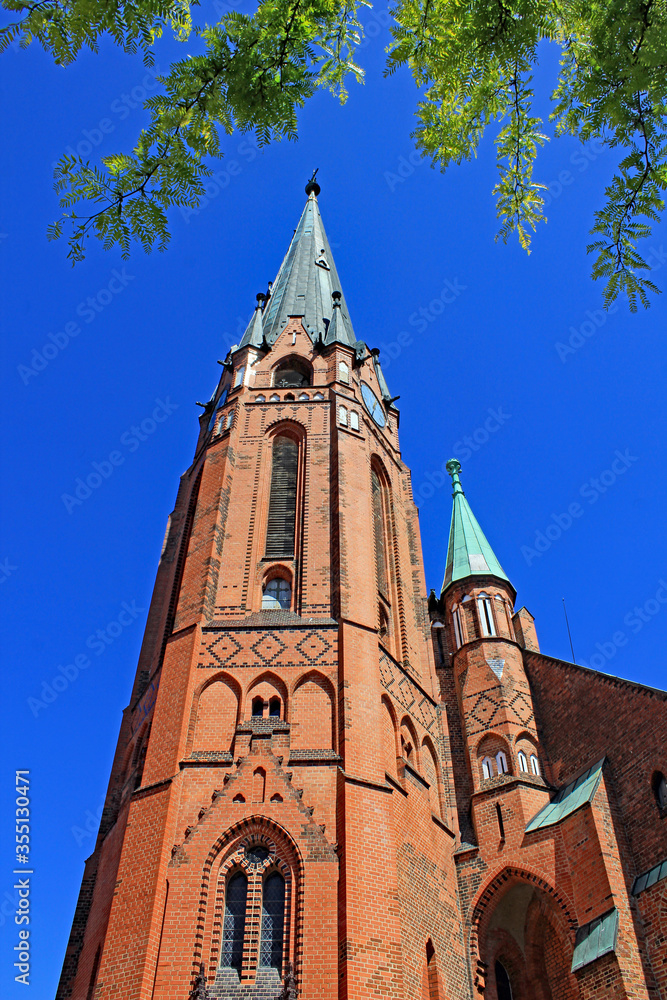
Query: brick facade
{"x": 379, "y": 768}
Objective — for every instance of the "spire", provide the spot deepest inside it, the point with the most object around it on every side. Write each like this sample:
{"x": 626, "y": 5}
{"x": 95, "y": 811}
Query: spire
{"x": 306, "y": 282}
{"x": 254, "y": 335}
{"x": 469, "y": 553}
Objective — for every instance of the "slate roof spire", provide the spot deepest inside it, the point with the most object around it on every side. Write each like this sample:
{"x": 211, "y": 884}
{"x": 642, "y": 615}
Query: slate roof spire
{"x": 306, "y": 282}
{"x": 254, "y": 335}
{"x": 468, "y": 553}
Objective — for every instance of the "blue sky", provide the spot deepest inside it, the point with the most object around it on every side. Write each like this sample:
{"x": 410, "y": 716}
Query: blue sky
{"x": 469, "y": 331}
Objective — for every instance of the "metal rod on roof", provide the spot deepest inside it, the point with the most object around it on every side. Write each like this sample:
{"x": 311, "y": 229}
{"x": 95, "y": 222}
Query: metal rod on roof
{"x": 569, "y": 634}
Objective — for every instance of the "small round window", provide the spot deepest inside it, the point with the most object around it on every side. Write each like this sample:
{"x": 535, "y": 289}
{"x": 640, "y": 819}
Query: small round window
{"x": 257, "y": 854}
{"x": 278, "y": 594}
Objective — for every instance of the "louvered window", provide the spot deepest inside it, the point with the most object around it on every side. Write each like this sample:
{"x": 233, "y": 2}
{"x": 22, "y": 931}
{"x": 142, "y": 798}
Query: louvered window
{"x": 280, "y": 532}
{"x": 273, "y": 918}
{"x": 234, "y": 926}
{"x": 378, "y": 530}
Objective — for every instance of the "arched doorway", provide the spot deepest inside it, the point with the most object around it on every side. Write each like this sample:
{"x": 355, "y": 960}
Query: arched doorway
{"x": 525, "y": 941}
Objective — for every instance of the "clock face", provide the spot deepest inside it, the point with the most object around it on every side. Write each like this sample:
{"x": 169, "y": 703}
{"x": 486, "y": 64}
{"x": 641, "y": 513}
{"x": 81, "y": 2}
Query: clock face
{"x": 373, "y": 405}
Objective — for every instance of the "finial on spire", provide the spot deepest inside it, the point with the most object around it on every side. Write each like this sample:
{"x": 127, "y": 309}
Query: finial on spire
{"x": 312, "y": 187}
{"x": 336, "y": 296}
{"x": 453, "y": 468}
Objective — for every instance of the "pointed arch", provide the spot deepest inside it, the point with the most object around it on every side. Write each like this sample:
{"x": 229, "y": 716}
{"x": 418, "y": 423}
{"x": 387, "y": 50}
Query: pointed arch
{"x": 267, "y": 685}
{"x": 431, "y": 771}
{"x": 215, "y": 700}
{"x": 312, "y": 713}
{"x": 409, "y": 741}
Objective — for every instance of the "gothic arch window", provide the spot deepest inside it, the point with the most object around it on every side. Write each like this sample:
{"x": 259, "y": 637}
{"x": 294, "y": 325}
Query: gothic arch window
{"x": 487, "y": 768}
{"x": 274, "y": 708}
{"x": 503, "y": 984}
{"x": 254, "y": 931}
{"x": 523, "y": 761}
{"x": 456, "y": 622}
{"x": 257, "y": 707}
{"x": 343, "y": 372}
{"x": 342, "y": 416}
{"x": 486, "y": 620}
{"x": 534, "y": 764}
{"x": 354, "y": 420}
{"x": 281, "y": 521}
{"x": 501, "y": 762}
{"x": 273, "y": 922}
{"x": 233, "y": 931}
{"x": 380, "y": 500}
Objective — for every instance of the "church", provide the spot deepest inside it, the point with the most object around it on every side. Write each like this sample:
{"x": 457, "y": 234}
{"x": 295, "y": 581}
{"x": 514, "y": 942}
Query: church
{"x": 328, "y": 784}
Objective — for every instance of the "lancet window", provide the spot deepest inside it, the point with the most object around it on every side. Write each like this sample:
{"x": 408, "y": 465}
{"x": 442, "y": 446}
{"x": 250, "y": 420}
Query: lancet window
{"x": 281, "y": 525}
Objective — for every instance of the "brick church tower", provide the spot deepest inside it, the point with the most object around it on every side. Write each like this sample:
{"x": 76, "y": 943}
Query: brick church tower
{"x": 327, "y": 786}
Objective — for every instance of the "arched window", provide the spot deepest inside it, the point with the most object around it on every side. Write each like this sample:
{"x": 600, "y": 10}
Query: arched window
{"x": 304, "y": 395}
{"x": 354, "y": 420}
{"x": 501, "y": 762}
{"x": 503, "y": 985}
{"x": 659, "y": 785}
{"x": 273, "y": 919}
{"x": 318, "y": 395}
{"x": 534, "y": 764}
{"x": 257, "y": 707}
{"x": 234, "y": 926}
{"x": 456, "y": 621}
{"x": 342, "y": 416}
{"x": 379, "y": 532}
{"x": 487, "y": 768}
{"x": 343, "y": 372}
{"x": 523, "y": 761}
{"x": 281, "y": 526}
{"x": 486, "y": 615}
{"x": 274, "y": 708}
{"x": 238, "y": 378}
{"x": 277, "y": 594}
{"x": 274, "y": 398}
{"x": 230, "y": 419}
{"x": 260, "y": 399}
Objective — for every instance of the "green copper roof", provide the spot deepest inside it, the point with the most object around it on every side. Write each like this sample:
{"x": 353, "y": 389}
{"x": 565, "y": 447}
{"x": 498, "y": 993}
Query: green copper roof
{"x": 305, "y": 285}
{"x": 576, "y": 794}
{"x": 468, "y": 553}
{"x": 595, "y": 939}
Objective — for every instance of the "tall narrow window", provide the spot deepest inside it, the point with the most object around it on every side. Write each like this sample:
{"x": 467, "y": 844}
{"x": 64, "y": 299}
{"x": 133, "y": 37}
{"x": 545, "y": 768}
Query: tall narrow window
{"x": 486, "y": 615}
{"x": 456, "y": 619}
{"x": 234, "y": 926}
{"x": 238, "y": 378}
{"x": 273, "y": 918}
{"x": 501, "y": 761}
{"x": 487, "y": 768}
{"x": 503, "y": 985}
{"x": 523, "y": 761}
{"x": 281, "y": 528}
{"x": 534, "y": 764}
{"x": 378, "y": 530}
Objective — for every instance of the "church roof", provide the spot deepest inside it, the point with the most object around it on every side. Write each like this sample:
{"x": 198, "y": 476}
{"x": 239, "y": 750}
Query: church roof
{"x": 468, "y": 553}
{"x": 304, "y": 287}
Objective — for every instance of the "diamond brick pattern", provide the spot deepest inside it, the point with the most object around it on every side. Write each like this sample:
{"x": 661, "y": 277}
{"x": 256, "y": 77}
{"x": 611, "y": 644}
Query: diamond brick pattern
{"x": 304, "y": 648}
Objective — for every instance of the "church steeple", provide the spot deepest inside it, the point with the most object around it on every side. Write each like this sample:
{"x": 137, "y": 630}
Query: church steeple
{"x": 469, "y": 553}
{"x": 306, "y": 283}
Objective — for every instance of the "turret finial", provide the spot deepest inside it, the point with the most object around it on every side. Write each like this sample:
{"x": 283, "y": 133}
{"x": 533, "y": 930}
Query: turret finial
{"x": 453, "y": 468}
{"x": 312, "y": 187}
